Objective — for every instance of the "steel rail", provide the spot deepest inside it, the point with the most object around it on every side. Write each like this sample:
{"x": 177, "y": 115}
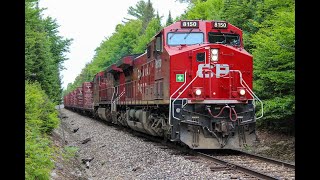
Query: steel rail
{"x": 267, "y": 159}
{"x": 236, "y": 167}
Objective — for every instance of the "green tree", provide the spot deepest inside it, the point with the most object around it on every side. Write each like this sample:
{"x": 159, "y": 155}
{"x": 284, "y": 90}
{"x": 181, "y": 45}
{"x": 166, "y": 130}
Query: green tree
{"x": 169, "y": 20}
{"x": 153, "y": 27}
{"x": 40, "y": 120}
{"x": 274, "y": 57}
{"x": 205, "y": 10}
{"x": 121, "y": 43}
{"x": 138, "y": 11}
{"x": 243, "y": 14}
{"x": 44, "y": 51}
{"x": 148, "y": 15}
{"x": 144, "y": 12}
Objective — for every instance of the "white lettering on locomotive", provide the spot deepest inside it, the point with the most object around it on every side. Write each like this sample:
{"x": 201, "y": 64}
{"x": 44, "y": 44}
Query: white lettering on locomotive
{"x": 139, "y": 73}
{"x": 158, "y": 63}
{"x": 222, "y": 69}
{"x": 206, "y": 70}
{"x": 147, "y": 71}
{"x": 139, "y": 88}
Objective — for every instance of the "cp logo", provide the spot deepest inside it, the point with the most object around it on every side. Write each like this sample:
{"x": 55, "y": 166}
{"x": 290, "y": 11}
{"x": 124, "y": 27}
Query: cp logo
{"x": 221, "y": 69}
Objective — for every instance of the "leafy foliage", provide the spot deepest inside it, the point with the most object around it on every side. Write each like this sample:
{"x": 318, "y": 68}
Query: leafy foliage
{"x": 37, "y": 156}
{"x": 70, "y": 152}
{"x": 44, "y": 51}
{"x": 169, "y": 20}
{"x": 44, "y": 55}
{"x": 138, "y": 11}
{"x": 153, "y": 27}
{"x": 205, "y": 10}
{"x": 274, "y": 67}
{"x": 144, "y": 12}
{"x": 41, "y": 118}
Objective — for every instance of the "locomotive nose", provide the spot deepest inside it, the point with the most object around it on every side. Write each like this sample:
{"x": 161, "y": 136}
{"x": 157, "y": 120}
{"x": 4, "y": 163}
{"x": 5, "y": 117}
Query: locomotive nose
{"x": 210, "y": 70}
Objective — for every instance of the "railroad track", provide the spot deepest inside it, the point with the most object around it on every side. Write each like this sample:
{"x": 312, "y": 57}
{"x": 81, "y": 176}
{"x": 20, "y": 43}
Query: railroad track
{"x": 248, "y": 165}
{"x": 239, "y": 164}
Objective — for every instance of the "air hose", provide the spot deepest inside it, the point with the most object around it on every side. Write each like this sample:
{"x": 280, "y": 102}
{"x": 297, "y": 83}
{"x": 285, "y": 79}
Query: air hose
{"x": 230, "y": 113}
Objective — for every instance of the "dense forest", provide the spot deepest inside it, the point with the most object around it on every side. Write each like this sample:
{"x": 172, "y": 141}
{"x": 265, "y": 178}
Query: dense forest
{"x": 269, "y": 34}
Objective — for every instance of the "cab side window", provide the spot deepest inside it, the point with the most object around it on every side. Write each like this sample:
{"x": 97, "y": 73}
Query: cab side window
{"x": 149, "y": 51}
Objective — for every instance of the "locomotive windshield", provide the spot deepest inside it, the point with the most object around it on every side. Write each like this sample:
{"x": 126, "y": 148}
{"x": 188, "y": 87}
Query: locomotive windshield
{"x": 187, "y": 38}
{"x": 222, "y": 38}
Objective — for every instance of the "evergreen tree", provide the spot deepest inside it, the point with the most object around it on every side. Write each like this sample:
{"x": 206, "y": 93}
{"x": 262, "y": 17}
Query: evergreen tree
{"x": 169, "y": 20}
{"x": 44, "y": 51}
{"x": 138, "y": 11}
{"x": 243, "y": 14}
{"x": 153, "y": 27}
{"x": 143, "y": 11}
{"x": 205, "y": 10}
{"x": 274, "y": 69}
{"x": 148, "y": 15}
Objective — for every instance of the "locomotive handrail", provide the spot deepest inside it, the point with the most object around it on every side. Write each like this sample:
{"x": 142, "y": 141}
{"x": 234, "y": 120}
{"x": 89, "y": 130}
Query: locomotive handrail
{"x": 113, "y": 102}
{"x": 185, "y": 81}
{"x": 182, "y": 93}
{"x": 121, "y": 94}
{"x": 112, "y": 98}
{"x": 117, "y": 98}
{"x": 171, "y": 110}
{"x": 250, "y": 91}
{"x": 148, "y": 62}
{"x": 114, "y": 90}
{"x": 184, "y": 104}
{"x": 257, "y": 99}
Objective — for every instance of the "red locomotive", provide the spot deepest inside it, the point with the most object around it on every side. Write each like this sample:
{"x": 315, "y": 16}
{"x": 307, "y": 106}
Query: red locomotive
{"x": 192, "y": 85}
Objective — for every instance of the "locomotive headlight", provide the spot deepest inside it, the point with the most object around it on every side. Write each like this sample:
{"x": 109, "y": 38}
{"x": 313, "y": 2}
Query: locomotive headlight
{"x": 214, "y": 54}
{"x": 198, "y": 92}
{"x": 242, "y": 92}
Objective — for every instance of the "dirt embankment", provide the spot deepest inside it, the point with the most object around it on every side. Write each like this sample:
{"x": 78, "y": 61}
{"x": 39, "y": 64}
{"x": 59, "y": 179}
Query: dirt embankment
{"x": 66, "y": 167}
{"x": 276, "y": 146}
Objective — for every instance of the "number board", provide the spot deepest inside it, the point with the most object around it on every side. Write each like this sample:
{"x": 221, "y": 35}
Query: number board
{"x": 189, "y": 24}
{"x": 220, "y": 25}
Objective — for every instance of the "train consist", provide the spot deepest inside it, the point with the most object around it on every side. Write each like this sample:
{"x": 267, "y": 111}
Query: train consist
{"x": 192, "y": 85}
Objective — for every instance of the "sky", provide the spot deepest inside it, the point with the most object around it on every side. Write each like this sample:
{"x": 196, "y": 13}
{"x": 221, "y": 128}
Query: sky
{"x": 88, "y": 23}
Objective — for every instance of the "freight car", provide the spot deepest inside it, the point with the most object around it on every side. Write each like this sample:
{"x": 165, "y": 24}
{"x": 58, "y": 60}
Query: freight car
{"x": 192, "y": 85}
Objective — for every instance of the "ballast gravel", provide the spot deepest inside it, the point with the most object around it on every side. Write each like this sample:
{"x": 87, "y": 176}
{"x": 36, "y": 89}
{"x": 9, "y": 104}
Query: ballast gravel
{"x": 111, "y": 153}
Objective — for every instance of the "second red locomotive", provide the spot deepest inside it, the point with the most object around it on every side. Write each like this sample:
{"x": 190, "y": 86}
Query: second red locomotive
{"x": 192, "y": 85}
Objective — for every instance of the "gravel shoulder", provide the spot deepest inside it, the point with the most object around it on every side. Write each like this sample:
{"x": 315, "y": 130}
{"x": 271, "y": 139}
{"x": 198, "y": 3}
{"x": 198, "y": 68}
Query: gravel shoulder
{"x": 104, "y": 152}
{"x": 118, "y": 154}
